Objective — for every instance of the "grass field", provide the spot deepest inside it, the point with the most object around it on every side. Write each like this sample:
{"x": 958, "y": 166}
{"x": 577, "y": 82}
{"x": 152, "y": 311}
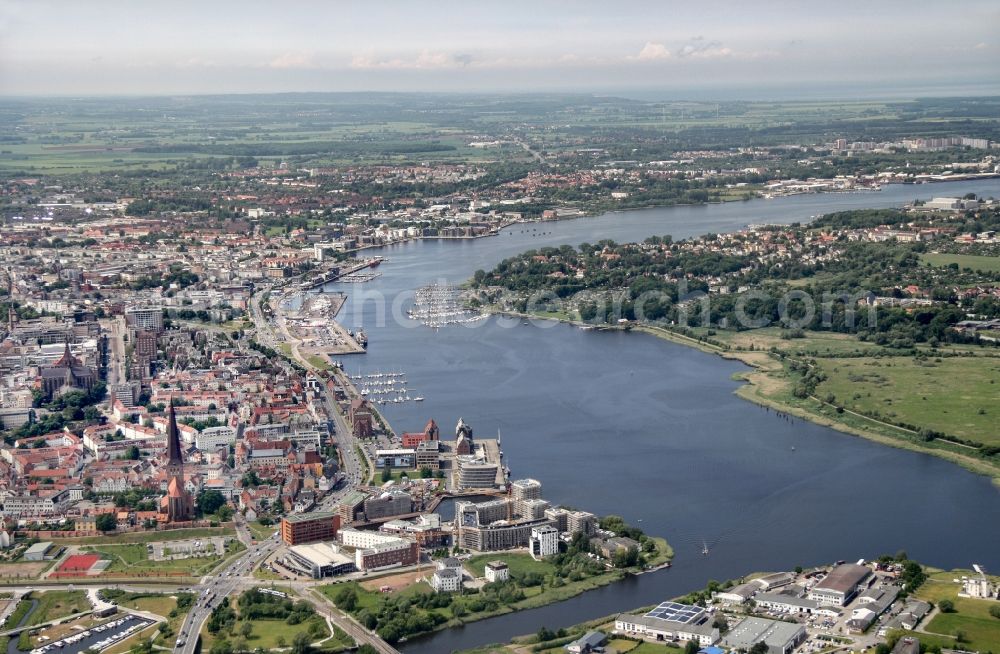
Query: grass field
{"x": 535, "y": 596}
{"x": 14, "y": 618}
{"x": 148, "y": 536}
{"x": 973, "y": 261}
{"x": 971, "y": 617}
{"x": 518, "y": 564}
{"x": 395, "y": 475}
{"x": 53, "y": 604}
{"x": 655, "y": 648}
{"x": 270, "y": 634}
{"x": 951, "y": 389}
{"x": 162, "y": 605}
{"x": 957, "y": 396}
{"x": 133, "y": 560}
{"x": 261, "y": 532}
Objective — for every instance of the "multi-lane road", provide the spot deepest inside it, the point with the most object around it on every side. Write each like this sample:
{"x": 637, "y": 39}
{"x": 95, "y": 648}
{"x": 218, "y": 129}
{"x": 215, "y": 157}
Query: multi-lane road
{"x": 213, "y": 588}
{"x": 238, "y": 574}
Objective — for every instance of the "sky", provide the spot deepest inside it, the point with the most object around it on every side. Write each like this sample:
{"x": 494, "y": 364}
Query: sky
{"x": 140, "y": 47}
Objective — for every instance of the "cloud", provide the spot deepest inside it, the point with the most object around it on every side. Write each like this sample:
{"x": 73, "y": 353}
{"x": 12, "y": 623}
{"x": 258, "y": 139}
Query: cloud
{"x": 291, "y": 60}
{"x": 652, "y": 52}
{"x": 700, "y": 48}
{"x": 425, "y": 60}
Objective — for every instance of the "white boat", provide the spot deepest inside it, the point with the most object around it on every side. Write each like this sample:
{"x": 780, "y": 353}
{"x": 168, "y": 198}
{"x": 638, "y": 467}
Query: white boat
{"x": 418, "y": 399}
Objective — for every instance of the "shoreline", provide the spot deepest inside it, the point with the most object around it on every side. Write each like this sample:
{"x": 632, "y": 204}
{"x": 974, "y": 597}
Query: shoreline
{"x": 757, "y": 194}
{"x": 750, "y": 392}
{"x": 586, "y": 585}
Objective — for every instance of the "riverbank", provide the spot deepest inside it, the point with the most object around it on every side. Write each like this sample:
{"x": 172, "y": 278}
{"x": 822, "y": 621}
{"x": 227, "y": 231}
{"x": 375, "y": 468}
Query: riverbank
{"x": 533, "y": 584}
{"x": 768, "y": 385}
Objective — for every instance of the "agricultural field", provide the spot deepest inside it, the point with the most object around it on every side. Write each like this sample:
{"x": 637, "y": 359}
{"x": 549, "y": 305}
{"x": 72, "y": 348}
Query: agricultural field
{"x": 57, "y": 136}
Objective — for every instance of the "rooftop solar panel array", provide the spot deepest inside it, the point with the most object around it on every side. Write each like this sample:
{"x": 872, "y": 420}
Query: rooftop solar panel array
{"x": 683, "y": 613}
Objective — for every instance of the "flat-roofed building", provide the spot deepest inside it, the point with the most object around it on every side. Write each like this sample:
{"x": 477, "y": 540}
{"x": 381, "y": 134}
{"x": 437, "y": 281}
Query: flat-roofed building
{"x": 350, "y": 505}
{"x": 396, "y": 458}
{"x": 378, "y": 551}
{"x": 522, "y": 490}
{"x": 476, "y": 473}
{"x": 544, "y": 541}
{"x": 738, "y": 594}
{"x": 531, "y": 509}
{"x": 428, "y": 455}
{"x": 39, "y": 551}
{"x": 212, "y": 438}
{"x": 841, "y": 585}
{"x": 145, "y": 319}
{"x": 670, "y": 621}
{"x": 387, "y": 504}
{"x": 786, "y": 603}
{"x": 559, "y": 517}
{"x": 501, "y": 535}
{"x": 319, "y": 560}
{"x": 780, "y": 637}
{"x": 309, "y": 527}
{"x": 582, "y": 522}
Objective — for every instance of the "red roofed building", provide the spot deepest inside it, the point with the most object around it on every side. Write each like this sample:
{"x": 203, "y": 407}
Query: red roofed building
{"x": 430, "y": 433}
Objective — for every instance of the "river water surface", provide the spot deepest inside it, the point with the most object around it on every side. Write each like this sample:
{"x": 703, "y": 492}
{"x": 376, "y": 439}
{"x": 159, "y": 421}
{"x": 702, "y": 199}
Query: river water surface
{"x": 630, "y": 424}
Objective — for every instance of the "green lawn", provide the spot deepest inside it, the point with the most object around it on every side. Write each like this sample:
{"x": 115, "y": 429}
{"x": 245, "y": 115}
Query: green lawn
{"x": 395, "y": 475}
{"x": 534, "y": 596}
{"x": 262, "y": 532}
{"x": 148, "y": 536}
{"x": 162, "y": 605}
{"x": 53, "y": 604}
{"x": 267, "y": 633}
{"x": 981, "y": 634}
{"x": 133, "y": 559}
{"x": 973, "y": 261}
{"x": 954, "y": 395}
{"x": 655, "y": 648}
{"x": 971, "y": 616}
{"x": 19, "y": 612}
{"x": 318, "y": 362}
{"x": 620, "y": 645}
{"x": 518, "y": 564}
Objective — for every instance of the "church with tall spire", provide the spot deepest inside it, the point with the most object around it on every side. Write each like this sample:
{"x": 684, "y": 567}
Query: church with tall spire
{"x": 177, "y": 504}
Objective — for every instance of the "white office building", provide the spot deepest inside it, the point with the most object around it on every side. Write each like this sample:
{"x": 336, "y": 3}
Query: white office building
{"x": 544, "y": 541}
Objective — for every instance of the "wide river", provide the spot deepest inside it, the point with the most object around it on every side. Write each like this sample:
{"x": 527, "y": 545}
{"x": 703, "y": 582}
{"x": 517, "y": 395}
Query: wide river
{"x": 629, "y": 424}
